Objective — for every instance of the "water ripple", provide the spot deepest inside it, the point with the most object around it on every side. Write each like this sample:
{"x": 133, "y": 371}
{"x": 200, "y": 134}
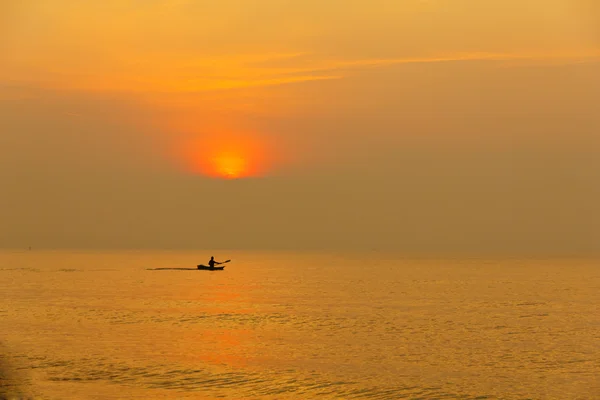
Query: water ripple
{"x": 270, "y": 384}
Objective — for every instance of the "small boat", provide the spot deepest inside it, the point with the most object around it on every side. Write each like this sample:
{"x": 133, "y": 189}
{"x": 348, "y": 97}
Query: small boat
{"x": 206, "y": 267}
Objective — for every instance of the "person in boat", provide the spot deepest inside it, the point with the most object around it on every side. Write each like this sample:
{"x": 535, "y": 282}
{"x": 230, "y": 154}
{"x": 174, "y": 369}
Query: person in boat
{"x": 212, "y": 262}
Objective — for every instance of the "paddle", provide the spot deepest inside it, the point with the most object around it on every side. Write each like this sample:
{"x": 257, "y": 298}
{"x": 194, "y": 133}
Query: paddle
{"x": 224, "y": 262}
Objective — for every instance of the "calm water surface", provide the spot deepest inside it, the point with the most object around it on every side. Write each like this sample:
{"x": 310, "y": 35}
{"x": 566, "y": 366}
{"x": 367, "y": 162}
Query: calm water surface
{"x": 83, "y": 325}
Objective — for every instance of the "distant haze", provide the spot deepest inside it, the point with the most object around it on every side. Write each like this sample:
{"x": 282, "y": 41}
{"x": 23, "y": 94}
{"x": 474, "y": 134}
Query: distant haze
{"x": 430, "y": 127}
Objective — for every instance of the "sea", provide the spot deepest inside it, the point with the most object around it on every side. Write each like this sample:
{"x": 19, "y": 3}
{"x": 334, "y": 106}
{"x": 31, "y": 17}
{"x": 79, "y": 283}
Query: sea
{"x": 285, "y": 325}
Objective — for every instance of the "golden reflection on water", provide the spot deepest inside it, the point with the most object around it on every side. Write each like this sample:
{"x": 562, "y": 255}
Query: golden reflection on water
{"x": 225, "y": 347}
{"x": 101, "y": 325}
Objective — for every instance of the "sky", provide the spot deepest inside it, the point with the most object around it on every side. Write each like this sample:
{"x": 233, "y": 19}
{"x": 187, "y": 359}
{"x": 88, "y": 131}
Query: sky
{"x": 417, "y": 126}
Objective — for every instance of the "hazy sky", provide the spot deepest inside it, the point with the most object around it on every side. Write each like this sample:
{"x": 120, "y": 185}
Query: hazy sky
{"x": 423, "y": 126}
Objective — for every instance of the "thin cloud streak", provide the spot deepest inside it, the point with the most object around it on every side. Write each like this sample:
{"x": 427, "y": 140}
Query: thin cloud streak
{"x": 357, "y": 64}
{"x": 228, "y": 73}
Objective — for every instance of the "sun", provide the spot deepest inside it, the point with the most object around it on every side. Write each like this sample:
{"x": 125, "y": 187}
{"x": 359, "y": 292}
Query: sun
{"x": 226, "y": 156}
{"x": 230, "y": 166}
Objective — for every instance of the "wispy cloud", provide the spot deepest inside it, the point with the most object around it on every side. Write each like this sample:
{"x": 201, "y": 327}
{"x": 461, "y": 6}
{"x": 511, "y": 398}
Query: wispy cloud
{"x": 353, "y": 65}
{"x": 183, "y": 46}
{"x": 206, "y": 74}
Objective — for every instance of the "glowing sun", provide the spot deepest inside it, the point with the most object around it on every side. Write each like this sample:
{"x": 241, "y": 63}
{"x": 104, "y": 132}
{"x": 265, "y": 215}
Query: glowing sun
{"x": 227, "y": 157}
{"x": 230, "y": 166}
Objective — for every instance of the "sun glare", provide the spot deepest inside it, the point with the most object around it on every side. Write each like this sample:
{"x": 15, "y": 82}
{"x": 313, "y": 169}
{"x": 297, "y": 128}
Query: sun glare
{"x": 230, "y": 166}
{"x": 226, "y": 157}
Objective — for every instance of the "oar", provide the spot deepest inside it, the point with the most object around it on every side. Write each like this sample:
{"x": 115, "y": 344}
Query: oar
{"x": 225, "y": 262}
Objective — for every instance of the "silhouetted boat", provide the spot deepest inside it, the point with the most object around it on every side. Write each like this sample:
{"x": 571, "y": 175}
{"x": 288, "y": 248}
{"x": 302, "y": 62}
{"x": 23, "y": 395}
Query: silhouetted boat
{"x": 206, "y": 267}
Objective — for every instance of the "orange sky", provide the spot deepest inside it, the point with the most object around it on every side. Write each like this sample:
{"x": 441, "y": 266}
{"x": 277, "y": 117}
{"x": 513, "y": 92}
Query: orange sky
{"x": 312, "y": 90}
